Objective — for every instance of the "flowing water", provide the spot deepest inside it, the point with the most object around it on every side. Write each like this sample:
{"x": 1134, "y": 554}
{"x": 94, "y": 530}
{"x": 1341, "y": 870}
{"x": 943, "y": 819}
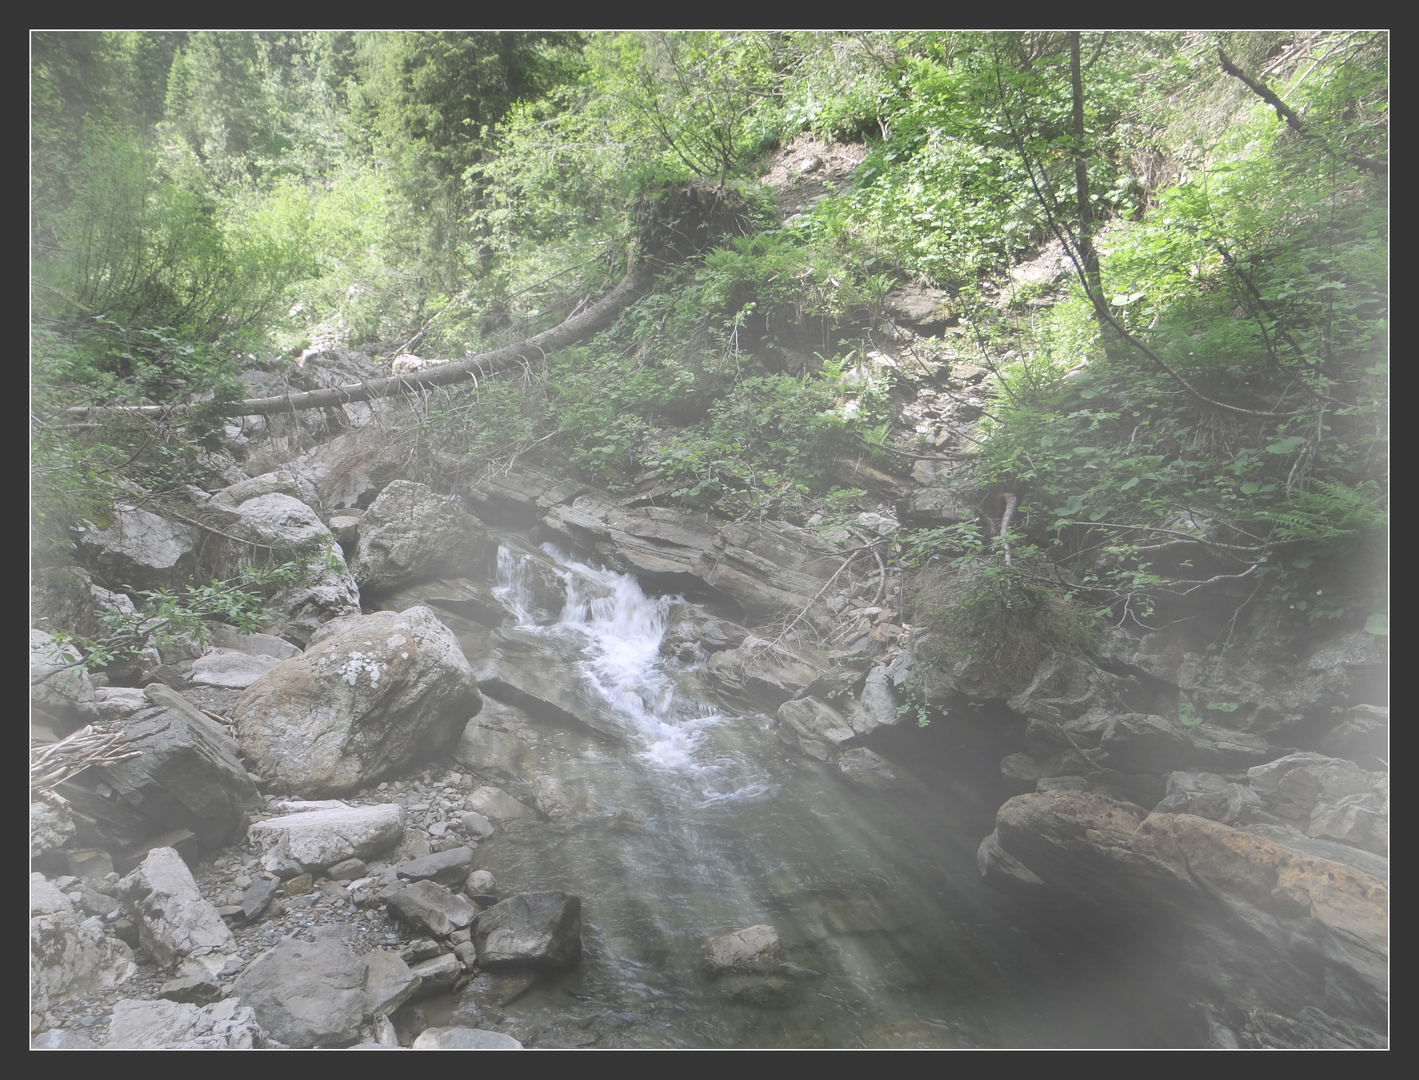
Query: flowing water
{"x": 700, "y": 821}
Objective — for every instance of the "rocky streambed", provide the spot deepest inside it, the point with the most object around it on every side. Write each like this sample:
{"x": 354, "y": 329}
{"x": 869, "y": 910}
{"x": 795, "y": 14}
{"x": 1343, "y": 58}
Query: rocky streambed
{"x": 579, "y": 782}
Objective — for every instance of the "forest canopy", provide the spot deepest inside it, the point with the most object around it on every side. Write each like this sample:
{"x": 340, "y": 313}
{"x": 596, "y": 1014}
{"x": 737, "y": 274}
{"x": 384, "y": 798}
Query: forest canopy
{"x": 1200, "y": 401}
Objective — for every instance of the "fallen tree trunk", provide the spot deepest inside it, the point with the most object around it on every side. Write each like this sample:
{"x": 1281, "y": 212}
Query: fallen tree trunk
{"x": 600, "y": 315}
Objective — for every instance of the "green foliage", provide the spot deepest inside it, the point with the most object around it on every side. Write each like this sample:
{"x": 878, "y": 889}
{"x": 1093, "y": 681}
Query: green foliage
{"x": 190, "y": 611}
{"x": 1002, "y": 616}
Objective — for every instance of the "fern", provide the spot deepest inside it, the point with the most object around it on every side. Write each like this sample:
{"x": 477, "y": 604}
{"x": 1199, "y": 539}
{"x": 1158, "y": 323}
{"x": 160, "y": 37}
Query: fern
{"x": 1329, "y": 514}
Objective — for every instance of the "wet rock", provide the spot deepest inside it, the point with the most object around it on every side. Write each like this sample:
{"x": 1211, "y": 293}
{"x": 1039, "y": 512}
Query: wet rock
{"x": 530, "y": 930}
{"x": 460, "y": 1038}
{"x": 501, "y": 807}
{"x": 315, "y": 839}
{"x": 173, "y": 919}
{"x": 304, "y": 993}
{"x": 753, "y": 947}
{"x": 876, "y": 705}
{"x": 487, "y": 750}
{"x": 816, "y": 720}
{"x": 862, "y": 766}
{"x": 170, "y": 1025}
{"x": 375, "y": 693}
{"x": 1261, "y": 925}
{"x": 562, "y": 799}
{"x": 758, "y": 672}
{"x": 436, "y": 975}
{"x": 410, "y": 531}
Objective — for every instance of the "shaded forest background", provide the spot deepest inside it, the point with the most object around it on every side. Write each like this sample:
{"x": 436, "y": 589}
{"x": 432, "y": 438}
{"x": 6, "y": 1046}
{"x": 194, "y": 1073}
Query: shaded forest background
{"x": 1199, "y": 409}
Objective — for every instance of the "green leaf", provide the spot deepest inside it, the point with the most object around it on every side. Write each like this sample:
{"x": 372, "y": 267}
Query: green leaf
{"x": 1377, "y": 624}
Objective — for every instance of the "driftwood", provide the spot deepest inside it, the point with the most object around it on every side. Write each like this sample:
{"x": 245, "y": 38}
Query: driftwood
{"x": 600, "y": 315}
{"x": 53, "y": 763}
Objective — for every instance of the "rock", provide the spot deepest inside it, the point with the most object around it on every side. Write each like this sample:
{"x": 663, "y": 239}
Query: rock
{"x": 562, "y": 799}
{"x": 486, "y": 750}
{"x": 690, "y": 629}
{"x": 70, "y": 956}
{"x": 1362, "y": 737}
{"x": 58, "y": 689}
{"x": 428, "y": 905}
{"x": 461, "y": 1038}
{"x": 1327, "y": 797}
{"x": 862, "y": 766}
{"x": 501, "y": 807}
{"x": 409, "y": 531}
{"x": 449, "y": 867}
{"x": 173, "y": 919}
{"x": 754, "y": 947}
{"x": 388, "y": 982}
{"x": 476, "y": 825}
{"x": 170, "y": 1025}
{"x": 817, "y": 720}
{"x": 306, "y": 993}
{"x": 876, "y": 705}
{"x": 1259, "y": 925}
{"x": 328, "y": 590}
{"x": 437, "y": 974}
{"x": 51, "y": 825}
{"x": 542, "y": 675}
{"x": 936, "y": 507}
{"x": 316, "y": 839}
{"x": 230, "y": 669}
{"x": 139, "y": 550}
{"x": 278, "y": 482}
{"x": 530, "y": 930}
{"x": 186, "y": 776}
{"x": 759, "y": 672}
{"x": 374, "y": 694}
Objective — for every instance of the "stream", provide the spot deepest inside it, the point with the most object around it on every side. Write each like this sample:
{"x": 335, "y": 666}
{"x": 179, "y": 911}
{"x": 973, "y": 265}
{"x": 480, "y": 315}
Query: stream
{"x": 701, "y": 821}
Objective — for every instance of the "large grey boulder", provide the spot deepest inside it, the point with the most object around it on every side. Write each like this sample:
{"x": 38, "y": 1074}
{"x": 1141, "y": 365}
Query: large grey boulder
{"x": 409, "y": 531}
{"x": 530, "y": 930}
{"x": 173, "y": 919}
{"x": 186, "y": 776}
{"x": 306, "y": 994}
{"x": 312, "y": 840}
{"x": 377, "y": 692}
{"x": 1259, "y": 925}
{"x": 139, "y": 550}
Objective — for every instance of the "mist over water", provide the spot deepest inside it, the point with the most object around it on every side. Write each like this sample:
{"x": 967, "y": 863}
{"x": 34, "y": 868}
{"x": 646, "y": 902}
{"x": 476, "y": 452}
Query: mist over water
{"x": 706, "y": 823}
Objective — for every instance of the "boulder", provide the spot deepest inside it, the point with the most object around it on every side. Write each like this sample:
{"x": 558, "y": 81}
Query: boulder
{"x": 59, "y": 689}
{"x": 427, "y": 905}
{"x": 541, "y": 930}
{"x": 377, "y": 692}
{"x": 408, "y": 532}
{"x": 173, "y": 919}
{"x": 139, "y": 550}
{"x": 305, "y": 993}
{"x": 186, "y": 776}
{"x": 1258, "y": 925}
{"x": 315, "y": 839}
